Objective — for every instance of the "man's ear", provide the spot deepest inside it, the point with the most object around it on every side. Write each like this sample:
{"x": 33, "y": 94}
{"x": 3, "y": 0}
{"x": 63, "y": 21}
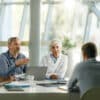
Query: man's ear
{"x": 9, "y": 46}
{"x": 85, "y": 56}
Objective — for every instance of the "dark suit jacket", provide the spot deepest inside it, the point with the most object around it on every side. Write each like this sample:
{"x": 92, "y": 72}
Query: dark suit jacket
{"x": 86, "y": 75}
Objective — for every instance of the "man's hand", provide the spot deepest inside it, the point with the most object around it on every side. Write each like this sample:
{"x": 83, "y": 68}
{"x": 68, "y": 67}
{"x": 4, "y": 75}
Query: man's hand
{"x": 12, "y": 78}
{"x": 21, "y": 62}
{"x": 7, "y": 79}
{"x": 53, "y": 76}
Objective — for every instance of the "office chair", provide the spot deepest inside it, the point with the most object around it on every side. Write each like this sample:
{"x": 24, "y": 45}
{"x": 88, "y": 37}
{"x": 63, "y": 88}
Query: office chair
{"x": 91, "y": 94}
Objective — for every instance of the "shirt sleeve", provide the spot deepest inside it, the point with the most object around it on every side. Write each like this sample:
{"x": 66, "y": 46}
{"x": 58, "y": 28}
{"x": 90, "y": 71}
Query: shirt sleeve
{"x": 73, "y": 79}
{"x": 63, "y": 66}
{"x": 25, "y": 68}
{"x": 4, "y": 69}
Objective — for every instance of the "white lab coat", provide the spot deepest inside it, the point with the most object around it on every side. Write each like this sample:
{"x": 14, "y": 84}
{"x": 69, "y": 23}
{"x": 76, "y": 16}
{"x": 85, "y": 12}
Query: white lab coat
{"x": 59, "y": 68}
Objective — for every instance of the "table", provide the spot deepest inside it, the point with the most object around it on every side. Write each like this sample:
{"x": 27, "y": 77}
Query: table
{"x": 35, "y": 92}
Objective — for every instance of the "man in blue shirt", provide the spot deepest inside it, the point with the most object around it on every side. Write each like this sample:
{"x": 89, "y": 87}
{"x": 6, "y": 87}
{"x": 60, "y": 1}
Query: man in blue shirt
{"x": 12, "y": 62}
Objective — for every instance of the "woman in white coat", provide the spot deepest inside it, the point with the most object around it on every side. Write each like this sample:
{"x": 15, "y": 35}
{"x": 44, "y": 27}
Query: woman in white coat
{"x": 55, "y": 61}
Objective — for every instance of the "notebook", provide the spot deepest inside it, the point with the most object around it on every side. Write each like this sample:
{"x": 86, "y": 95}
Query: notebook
{"x": 14, "y": 89}
{"x": 38, "y": 72}
{"x": 16, "y": 84}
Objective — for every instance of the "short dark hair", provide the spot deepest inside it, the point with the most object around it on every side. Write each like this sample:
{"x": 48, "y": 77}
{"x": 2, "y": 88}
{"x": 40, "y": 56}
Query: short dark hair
{"x": 11, "y": 39}
{"x": 90, "y": 50}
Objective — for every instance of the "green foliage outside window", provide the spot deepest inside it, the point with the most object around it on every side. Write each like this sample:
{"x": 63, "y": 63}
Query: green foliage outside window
{"x": 67, "y": 44}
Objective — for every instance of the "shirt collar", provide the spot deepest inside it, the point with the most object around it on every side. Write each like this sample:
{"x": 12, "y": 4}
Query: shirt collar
{"x": 53, "y": 56}
{"x": 10, "y": 56}
{"x": 91, "y": 59}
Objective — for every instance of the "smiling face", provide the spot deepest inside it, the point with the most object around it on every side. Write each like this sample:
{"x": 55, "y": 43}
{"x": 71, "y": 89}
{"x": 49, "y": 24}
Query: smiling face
{"x": 56, "y": 49}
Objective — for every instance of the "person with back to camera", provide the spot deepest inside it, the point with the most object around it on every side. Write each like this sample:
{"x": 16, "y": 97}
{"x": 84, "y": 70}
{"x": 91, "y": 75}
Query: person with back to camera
{"x": 55, "y": 61}
{"x": 86, "y": 74}
{"x": 12, "y": 62}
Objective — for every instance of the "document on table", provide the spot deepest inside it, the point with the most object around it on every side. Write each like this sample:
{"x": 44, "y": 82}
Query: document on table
{"x": 64, "y": 88}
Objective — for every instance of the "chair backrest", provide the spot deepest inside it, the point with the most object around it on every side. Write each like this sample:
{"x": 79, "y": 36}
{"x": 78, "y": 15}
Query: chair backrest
{"x": 91, "y": 94}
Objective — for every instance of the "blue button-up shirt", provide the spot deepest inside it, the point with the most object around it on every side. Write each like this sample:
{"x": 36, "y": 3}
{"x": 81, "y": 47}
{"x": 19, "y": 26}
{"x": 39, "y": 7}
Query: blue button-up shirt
{"x": 7, "y": 65}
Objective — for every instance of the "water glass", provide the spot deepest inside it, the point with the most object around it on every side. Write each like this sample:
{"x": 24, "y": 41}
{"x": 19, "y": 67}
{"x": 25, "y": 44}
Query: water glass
{"x": 30, "y": 79}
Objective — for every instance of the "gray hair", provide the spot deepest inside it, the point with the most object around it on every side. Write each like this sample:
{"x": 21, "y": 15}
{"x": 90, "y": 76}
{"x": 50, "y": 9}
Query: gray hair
{"x": 55, "y": 41}
{"x": 11, "y": 39}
